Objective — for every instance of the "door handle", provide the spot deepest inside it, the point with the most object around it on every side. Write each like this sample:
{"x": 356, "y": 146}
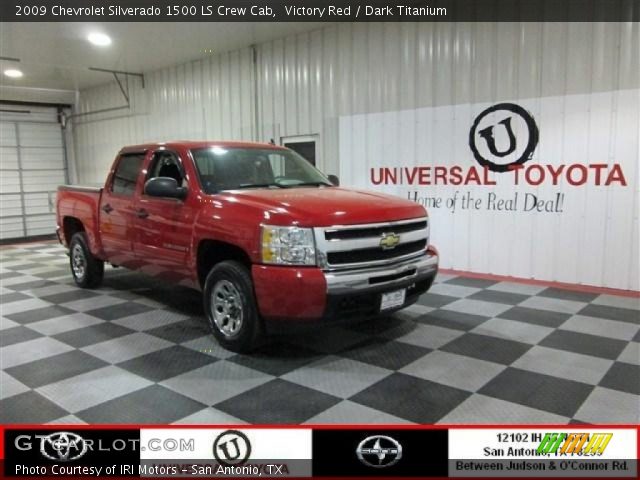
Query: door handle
{"x": 142, "y": 213}
{"x": 107, "y": 208}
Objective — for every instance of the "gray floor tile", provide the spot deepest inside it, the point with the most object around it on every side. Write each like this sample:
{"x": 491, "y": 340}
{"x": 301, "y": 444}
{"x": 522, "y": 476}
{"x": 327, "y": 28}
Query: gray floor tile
{"x": 89, "y": 304}
{"x": 623, "y": 377}
{"x": 92, "y": 388}
{"x": 543, "y": 392}
{"x": 553, "y": 304}
{"x": 631, "y": 354}
{"x": 513, "y": 330}
{"x": 513, "y": 287}
{"x": 609, "y": 406}
{"x": 151, "y": 405}
{"x": 559, "y": 363}
{"x": 411, "y": 398}
{"x": 631, "y": 303}
{"x": 67, "y": 420}
{"x": 348, "y": 412}
{"x": 209, "y": 416}
{"x": 280, "y": 402}
{"x": 30, "y": 351}
{"x": 9, "y": 386}
{"x": 21, "y": 306}
{"x": 601, "y": 327}
{"x": 340, "y": 377}
{"x": 480, "y": 409}
{"x": 127, "y": 347}
{"x": 477, "y": 307}
{"x": 585, "y": 344}
{"x": 453, "y": 290}
{"x": 490, "y": 349}
{"x": 54, "y": 326}
{"x": 453, "y": 370}
{"x": 217, "y": 382}
{"x": 423, "y": 335}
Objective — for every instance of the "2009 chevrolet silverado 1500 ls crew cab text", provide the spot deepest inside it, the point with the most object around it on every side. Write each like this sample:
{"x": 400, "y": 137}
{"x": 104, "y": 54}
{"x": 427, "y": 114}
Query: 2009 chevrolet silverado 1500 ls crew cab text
{"x": 268, "y": 238}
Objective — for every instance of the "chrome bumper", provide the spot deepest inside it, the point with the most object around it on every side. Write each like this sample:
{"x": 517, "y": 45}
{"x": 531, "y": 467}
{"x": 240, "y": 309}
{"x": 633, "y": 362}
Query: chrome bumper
{"x": 358, "y": 281}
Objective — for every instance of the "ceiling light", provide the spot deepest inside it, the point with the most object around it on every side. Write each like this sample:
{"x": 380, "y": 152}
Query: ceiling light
{"x": 13, "y": 73}
{"x": 99, "y": 39}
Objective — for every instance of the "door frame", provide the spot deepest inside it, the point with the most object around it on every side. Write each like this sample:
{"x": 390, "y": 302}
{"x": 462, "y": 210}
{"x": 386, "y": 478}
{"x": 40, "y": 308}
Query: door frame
{"x": 311, "y": 137}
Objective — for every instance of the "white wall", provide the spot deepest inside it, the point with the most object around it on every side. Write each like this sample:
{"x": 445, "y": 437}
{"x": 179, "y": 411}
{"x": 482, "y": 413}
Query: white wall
{"x": 305, "y": 83}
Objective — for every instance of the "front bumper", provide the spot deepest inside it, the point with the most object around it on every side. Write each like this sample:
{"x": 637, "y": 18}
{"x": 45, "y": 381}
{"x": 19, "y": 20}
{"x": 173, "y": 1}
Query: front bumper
{"x": 311, "y": 295}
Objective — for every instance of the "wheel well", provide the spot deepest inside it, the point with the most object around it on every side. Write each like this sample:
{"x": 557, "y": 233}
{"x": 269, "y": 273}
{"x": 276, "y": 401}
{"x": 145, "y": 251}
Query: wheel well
{"x": 71, "y": 226}
{"x": 211, "y": 252}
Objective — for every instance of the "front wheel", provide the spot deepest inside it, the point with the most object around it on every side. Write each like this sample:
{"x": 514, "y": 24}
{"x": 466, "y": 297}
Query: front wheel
{"x": 230, "y": 307}
{"x": 86, "y": 269}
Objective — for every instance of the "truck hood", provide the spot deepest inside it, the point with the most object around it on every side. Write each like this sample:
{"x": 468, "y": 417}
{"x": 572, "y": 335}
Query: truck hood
{"x": 313, "y": 206}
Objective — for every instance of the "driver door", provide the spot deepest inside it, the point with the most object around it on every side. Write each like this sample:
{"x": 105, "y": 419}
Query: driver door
{"x": 163, "y": 226}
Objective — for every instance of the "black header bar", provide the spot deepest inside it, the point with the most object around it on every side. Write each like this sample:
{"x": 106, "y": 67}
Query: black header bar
{"x": 319, "y": 10}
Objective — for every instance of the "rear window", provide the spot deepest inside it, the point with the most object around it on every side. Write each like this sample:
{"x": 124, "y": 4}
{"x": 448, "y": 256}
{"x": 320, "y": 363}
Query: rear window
{"x": 126, "y": 174}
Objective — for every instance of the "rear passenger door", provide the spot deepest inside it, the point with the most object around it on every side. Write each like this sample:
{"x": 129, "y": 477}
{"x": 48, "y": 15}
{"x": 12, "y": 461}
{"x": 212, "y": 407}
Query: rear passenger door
{"x": 117, "y": 209}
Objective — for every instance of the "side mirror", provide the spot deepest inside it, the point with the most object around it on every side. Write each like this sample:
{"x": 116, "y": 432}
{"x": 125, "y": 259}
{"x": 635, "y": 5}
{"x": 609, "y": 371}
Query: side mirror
{"x": 334, "y": 179}
{"x": 164, "y": 187}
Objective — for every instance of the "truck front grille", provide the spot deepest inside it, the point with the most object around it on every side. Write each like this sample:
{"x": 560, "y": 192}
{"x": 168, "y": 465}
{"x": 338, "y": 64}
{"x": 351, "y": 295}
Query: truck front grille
{"x": 360, "y": 246}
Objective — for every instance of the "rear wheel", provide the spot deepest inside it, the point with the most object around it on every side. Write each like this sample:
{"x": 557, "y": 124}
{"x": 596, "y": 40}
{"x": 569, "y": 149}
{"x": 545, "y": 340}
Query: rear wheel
{"x": 86, "y": 269}
{"x": 231, "y": 308}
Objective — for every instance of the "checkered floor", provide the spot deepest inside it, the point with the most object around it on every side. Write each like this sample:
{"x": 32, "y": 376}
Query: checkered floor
{"x": 471, "y": 351}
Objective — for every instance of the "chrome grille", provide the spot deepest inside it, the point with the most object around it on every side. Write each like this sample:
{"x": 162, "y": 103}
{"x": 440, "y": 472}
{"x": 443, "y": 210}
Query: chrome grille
{"x": 357, "y": 246}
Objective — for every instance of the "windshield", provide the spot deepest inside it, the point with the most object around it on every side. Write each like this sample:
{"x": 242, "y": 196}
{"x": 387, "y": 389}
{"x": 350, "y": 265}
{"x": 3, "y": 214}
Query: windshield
{"x": 223, "y": 168}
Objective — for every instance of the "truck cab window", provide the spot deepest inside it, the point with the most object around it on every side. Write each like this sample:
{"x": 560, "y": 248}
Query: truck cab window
{"x": 126, "y": 174}
{"x": 166, "y": 164}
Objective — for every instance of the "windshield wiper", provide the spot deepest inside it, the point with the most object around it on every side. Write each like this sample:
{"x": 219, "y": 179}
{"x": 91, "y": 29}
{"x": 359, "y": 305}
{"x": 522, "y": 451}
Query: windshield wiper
{"x": 308, "y": 184}
{"x": 259, "y": 185}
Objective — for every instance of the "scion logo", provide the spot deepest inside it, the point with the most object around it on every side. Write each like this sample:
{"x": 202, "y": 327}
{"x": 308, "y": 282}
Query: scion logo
{"x": 63, "y": 446}
{"x": 502, "y": 136}
{"x": 231, "y": 447}
{"x": 379, "y": 451}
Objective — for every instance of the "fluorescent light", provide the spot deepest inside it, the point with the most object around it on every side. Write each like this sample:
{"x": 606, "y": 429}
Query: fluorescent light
{"x": 99, "y": 39}
{"x": 13, "y": 73}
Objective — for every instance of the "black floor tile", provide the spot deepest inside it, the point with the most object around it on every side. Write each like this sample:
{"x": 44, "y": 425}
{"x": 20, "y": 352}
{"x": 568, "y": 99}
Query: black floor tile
{"x": 388, "y": 354}
{"x": 277, "y": 358}
{"x": 53, "y": 273}
{"x": 624, "y": 377}
{"x": 278, "y": 402}
{"x": 436, "y": 301}
{"x": 585, "y": 344}
{"x": 7, "y": 275}
{"x": 11, "y": 336}
{"x": 485, "y": 347}
{"x": 495, "y": 296}
{"x": 38, "y": 314}
{"x": 471, "y": 282}
{"x": 563, "y": 294}
{"x": 153, "y": 404}
{"x": 54, "y": 369}
{"x": 29, "y": 407}
{"x": 544, "y": 392}
{"x": 13, "y": 297}
{"x": 23, "y": 266}
{"x": 120, "y": 310}
{"x": 167, "y": 363}
{"x": 69, "y": 296}
{"x": 182, "y": 331}
{"x": 101, "y": 332}
{"x": 452, "y": 319}
{"x": 411, "y": 398}
{"x": 612, "y": 313}
{"x": 534, "y": 316}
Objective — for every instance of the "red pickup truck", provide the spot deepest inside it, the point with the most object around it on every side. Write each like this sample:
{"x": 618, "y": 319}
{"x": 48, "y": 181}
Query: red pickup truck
{"x": 266, "y": 237}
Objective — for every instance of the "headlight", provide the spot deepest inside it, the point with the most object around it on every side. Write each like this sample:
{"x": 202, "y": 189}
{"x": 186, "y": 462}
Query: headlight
{"x": 288, "y": 245}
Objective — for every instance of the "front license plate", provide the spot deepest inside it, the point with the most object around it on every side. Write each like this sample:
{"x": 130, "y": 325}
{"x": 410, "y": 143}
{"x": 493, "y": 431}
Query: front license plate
{"x": 393, "y": 299}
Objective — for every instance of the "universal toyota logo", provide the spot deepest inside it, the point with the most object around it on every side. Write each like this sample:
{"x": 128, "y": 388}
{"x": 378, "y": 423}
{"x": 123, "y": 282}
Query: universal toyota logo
{"x": 231, "y": 447}
{"x": 503, "y": 135}
{"x": 379, "y": 451}
{"x": 63, "y": 446}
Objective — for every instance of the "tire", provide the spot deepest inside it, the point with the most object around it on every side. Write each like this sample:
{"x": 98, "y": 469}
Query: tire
{"x": 86, "y": 269}
{"x": 230, "y": 306}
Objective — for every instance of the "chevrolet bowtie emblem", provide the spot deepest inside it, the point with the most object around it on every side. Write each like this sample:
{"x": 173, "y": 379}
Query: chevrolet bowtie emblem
{"x": 389, "y": 241}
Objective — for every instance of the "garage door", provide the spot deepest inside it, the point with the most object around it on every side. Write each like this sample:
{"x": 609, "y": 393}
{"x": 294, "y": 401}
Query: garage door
{"x": 32, "y": 165}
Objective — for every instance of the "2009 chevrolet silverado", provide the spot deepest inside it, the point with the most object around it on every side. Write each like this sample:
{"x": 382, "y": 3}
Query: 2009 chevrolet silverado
{"x": 267, "y": 238}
